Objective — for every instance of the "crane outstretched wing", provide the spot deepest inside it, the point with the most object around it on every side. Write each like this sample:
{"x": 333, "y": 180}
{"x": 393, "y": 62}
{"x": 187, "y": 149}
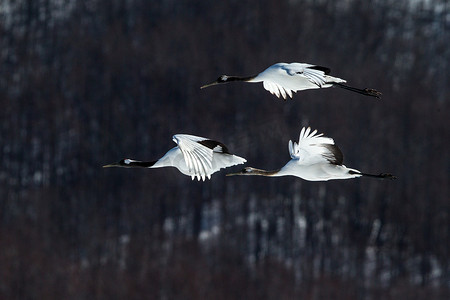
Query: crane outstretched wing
{"x": 315, "y": 74}
{"x": 314, "y": 148}
{"x": 199, "y": 155}
{"x": 276, "y": 89}
{"x": 284, "y": 79}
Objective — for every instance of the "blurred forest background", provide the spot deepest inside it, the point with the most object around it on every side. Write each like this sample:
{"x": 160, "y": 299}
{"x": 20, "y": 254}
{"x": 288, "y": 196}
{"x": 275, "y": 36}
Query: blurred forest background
{"x": 85, "y": 83}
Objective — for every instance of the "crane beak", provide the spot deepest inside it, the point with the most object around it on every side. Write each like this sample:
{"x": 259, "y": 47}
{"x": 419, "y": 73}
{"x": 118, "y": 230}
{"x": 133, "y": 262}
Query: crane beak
{"x": 111, "y": 165}
{"x": 209, "y": 84}
{"x": 234, "y": 174}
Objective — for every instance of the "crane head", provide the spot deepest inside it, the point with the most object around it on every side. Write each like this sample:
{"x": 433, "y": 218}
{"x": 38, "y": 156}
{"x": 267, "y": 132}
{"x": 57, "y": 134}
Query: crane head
{"x": 244, "y": 171}
{"x": 124, "y": 163}
{"x": 220, "y": 80}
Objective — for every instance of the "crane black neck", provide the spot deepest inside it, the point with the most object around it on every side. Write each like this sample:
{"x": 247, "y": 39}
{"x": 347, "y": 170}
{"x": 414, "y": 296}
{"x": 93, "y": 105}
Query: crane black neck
{"x": 137, "y": 163}
{"x": 240, "y": 78}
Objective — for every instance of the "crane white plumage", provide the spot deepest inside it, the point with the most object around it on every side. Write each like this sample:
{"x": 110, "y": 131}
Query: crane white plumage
{"x": 282, "y": 79}
{"x": 314, "y": 158}
{"x": 194, "y": 156}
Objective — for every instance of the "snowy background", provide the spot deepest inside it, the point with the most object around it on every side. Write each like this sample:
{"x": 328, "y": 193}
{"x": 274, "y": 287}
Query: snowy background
{"x": 85, "y": 83}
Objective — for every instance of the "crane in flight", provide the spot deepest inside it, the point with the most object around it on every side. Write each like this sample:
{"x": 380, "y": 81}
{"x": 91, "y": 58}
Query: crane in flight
{"x": 194, "y": 156}
{"x": 314, "y": 158}
{"x": 282, "y": 79}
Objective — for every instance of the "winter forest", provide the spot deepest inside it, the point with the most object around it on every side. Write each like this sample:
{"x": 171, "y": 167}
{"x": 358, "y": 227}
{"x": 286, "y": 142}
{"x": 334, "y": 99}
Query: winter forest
{"x": 85, "y": 83}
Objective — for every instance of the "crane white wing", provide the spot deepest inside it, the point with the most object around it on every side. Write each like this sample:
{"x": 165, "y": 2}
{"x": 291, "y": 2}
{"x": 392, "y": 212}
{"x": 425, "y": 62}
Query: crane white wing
{"x": 284, "y": 79}
{"x": 276, "y": 89}
{"x": 203, "y": 156}
{"x": 315, "y": 76}
{"x": 314, "y": 148}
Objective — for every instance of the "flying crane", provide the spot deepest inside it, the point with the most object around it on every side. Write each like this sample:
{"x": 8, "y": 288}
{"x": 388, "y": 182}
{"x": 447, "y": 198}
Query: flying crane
{"x": 314, "y": 158}
{"x": 282, "y": 79}
{"x": 194, "y": 156}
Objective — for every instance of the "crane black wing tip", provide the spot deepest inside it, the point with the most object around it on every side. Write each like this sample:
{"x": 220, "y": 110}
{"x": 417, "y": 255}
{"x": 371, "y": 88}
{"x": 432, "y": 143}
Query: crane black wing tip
{"x": 215, "y": 146}
{"x": 326, "y": 70}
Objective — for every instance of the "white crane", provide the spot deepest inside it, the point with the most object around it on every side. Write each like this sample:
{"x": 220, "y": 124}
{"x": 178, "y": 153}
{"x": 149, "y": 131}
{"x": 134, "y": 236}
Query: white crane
{"x": 282, "y": 79}
{"x": 193, "y": 156}
{"x": 314, "y": 158}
